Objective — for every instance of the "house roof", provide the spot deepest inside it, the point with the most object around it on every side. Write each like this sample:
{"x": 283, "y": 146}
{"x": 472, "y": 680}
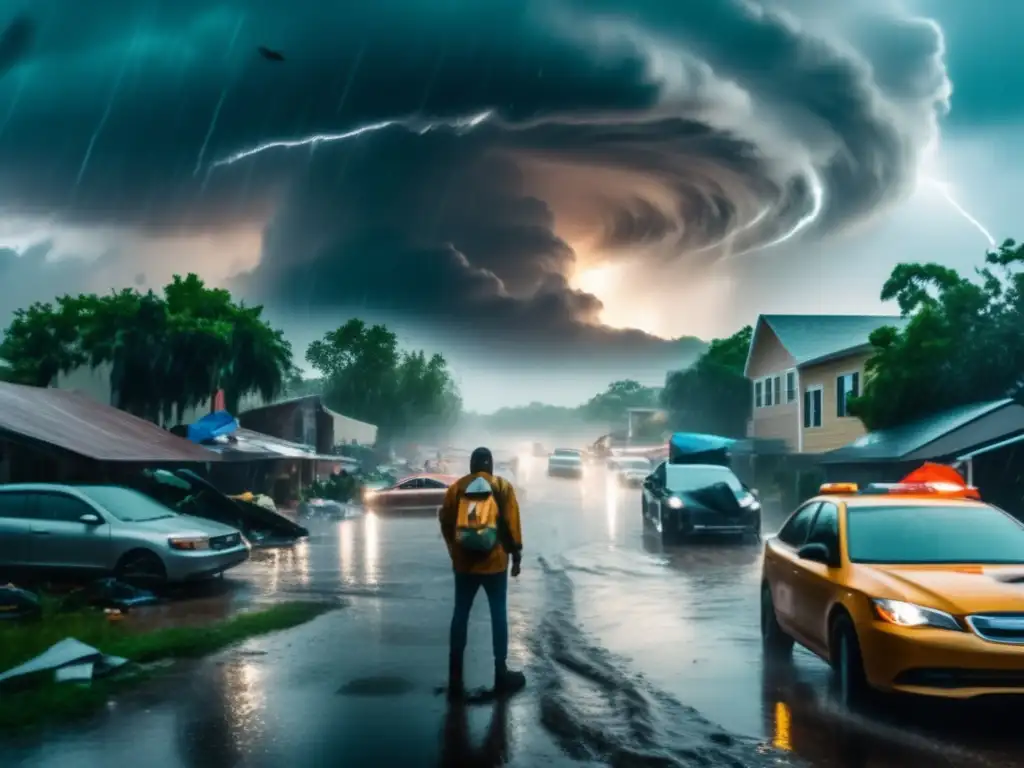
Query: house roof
{"x": 899, "y": 442}
{"x": 812, "y": 337}
{"x": 816, "y": 338}
{"x": 78, "y": 424}
{"x": 246, "y": 444}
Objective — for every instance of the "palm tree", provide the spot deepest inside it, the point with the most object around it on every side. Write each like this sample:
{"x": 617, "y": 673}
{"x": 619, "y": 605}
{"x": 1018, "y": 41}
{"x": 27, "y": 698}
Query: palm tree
{"x": 259, "y": 359}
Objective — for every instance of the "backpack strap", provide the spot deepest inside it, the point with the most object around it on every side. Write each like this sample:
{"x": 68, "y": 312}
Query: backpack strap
{"x": 504, "y": 532}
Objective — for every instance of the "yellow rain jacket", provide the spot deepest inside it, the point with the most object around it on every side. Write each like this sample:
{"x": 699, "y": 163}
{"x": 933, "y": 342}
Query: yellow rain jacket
{"x": 496, "y": 561}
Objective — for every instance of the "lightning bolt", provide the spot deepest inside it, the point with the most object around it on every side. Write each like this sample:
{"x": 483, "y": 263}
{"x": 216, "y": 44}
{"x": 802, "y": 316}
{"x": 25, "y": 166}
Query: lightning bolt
{"x": 416, "y": 125}
{"x": 947, "y": 194}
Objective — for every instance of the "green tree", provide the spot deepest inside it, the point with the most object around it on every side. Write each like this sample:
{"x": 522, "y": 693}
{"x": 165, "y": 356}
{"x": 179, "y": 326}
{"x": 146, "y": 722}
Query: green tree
{"x": 712, "y": 395}
{"x": 963, "y": 341}
{"x": 610, "y": 406}
{"x": 366, "y": 376}
{"x": 42, "y": 342}
{"x": 536, "y": 417}
{"x": 166, "y": 352}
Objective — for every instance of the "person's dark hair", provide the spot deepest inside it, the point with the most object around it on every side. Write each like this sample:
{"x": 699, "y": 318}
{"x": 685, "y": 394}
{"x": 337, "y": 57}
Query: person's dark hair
{"x": 481, "y": 461}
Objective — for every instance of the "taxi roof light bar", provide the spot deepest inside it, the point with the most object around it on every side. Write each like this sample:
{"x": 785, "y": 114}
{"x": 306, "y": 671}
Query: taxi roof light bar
{"x": 943, "y": 489}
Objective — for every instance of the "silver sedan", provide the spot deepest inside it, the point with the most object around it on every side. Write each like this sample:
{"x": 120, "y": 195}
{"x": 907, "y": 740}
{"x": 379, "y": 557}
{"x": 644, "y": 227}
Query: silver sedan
{"x": 103, "y": 529}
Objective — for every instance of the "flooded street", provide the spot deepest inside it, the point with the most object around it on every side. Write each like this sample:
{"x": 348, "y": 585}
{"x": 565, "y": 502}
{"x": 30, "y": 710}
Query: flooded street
{"x": 635, "y": 655}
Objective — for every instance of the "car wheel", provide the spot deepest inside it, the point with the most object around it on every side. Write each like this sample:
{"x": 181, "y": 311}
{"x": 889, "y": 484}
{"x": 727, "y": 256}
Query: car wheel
{"x": 774, "y": 639}
{"x": 141, "y": 568}
{"x": 850, "y": 682}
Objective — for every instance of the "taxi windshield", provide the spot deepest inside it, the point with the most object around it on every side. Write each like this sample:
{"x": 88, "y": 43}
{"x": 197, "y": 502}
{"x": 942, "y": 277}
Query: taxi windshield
{"x": 934, "y": 535}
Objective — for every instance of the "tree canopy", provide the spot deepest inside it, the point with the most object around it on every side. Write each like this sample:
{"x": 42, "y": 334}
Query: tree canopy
{"x": 167, "y": 352}
{"x": 963, "y": 340}
{"x": 367, "y": 377}
{"x": 607, "y": 409}
{"x": 712, "y": 395}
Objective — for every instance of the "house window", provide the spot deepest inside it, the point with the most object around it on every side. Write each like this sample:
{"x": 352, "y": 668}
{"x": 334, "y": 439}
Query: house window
{"x": 812, "y": 407}
{"x": 758, "y": 385}
{"x": 777, "y": 389}
{"x": 847, "y": 386}
{"x": 791, "y": 387}
{"x": 768, "y": 392}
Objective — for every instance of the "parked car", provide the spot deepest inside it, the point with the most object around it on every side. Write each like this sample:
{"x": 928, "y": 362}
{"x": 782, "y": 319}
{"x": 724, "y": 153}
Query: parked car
{"x": 104, "y": 529}
{"x": 420, "y": 493}
{"x": 565, "y": 462}
{"x": 684, "y": 500}
{"x": 630, "y": 471}
{"x": 910, "y": 588}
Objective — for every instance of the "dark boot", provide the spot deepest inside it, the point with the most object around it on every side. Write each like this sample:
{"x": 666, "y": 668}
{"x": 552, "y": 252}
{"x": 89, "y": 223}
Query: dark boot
{"x": 508, "y": 680}
{"x": 456, "y": 684}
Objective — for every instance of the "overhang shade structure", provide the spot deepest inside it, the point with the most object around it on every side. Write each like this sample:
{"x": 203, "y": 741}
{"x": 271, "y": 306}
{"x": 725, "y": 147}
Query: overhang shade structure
{"x": 77, "y": 424}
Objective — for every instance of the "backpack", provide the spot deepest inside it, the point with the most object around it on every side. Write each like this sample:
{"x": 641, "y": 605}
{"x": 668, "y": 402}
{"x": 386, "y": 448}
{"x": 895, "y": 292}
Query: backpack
{"x": 478, "y": 519}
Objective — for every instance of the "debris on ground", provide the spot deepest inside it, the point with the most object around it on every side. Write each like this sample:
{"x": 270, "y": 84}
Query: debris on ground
{"x": 70, "y": 661}
{"x": 109, "y": 594}
{"x": 17, "y": 603}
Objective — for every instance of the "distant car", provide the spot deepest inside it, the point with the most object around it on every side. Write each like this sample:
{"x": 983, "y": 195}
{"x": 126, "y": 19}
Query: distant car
{"x": 630, "y": 470}
{"x": 107, "y": 529}
{"x": 565, "y": 462}
{"x": 684, "y": 500}
{"x": 420, "y": 493}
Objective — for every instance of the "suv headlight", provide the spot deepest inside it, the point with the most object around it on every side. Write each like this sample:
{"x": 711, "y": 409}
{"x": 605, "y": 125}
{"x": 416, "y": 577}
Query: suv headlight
{"x": 675, "y": 502}
{"x": 909, "y": 615}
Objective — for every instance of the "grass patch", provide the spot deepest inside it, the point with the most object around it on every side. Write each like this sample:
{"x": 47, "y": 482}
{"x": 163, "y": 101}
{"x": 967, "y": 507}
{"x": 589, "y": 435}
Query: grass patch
{"x": 48, "y": 702}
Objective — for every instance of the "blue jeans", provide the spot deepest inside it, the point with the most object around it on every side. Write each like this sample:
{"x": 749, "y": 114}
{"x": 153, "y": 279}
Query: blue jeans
{"x": 496, "y": 587}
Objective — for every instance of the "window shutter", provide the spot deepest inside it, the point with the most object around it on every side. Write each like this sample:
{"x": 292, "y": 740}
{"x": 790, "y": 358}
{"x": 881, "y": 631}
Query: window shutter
{"x": 816, "y": 401}
{"x": 840, "y": 396}
{"x": 807, "y": 408}
{"x": 757, "y": 394}
{"x": 856, "y": 385}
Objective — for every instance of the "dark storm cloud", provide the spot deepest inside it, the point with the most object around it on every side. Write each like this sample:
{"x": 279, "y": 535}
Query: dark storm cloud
{"x": 684, "y": 128}
{"x": 15, "y": 41}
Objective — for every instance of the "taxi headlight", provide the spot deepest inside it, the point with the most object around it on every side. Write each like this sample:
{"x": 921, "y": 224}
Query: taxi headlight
{"x": 909, "y": 615}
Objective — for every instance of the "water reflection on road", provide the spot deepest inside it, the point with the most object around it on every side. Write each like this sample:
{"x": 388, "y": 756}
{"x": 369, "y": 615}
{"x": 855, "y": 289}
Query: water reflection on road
{"x": 621, "y": 637}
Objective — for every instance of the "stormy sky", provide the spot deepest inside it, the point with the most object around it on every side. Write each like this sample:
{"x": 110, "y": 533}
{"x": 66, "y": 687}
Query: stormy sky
{"x": 554, "y": 193}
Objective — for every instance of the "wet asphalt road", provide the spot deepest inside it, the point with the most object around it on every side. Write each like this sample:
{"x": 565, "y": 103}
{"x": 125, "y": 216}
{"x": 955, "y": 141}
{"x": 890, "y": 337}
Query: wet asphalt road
{"x": 636, "y": 655}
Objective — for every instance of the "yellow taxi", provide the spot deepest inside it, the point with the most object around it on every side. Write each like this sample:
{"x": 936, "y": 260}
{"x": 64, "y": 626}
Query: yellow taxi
{"x": 916, "y": 587}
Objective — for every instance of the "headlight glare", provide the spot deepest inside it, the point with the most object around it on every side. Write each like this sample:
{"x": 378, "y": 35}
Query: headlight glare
{"x": 903, "y": 614}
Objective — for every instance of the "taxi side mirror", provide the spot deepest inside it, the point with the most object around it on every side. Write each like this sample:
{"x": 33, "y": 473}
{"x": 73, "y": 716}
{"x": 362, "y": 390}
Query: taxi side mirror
{"x": 819, "y": 553}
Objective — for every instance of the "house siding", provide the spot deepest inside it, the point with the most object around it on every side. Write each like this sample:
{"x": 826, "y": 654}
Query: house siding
{"x": 775, "y": 422}
{"x": 834, "y": 432}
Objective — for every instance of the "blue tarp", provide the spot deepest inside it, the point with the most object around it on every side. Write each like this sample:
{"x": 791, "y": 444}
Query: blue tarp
{"x": 212, "y": 425}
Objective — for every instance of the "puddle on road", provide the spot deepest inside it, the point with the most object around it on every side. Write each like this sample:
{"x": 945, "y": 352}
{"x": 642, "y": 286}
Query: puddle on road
{"x": 382, "y": 685}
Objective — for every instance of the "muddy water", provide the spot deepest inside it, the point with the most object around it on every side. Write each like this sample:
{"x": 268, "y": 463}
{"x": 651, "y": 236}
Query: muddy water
{"x": 637, "y": 656}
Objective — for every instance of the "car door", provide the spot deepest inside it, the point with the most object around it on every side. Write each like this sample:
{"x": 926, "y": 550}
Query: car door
{"x": 17, "y": 510}
{"x": 816, "y": 583}
{"x": 433, "y": 493}
{"x": 406, "y": 495}
{"x": 781, "y": 564}
{"x": 61, "y": 540}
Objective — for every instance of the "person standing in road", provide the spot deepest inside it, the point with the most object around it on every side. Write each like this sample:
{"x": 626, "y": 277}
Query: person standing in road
{"x": 481, "y": 527}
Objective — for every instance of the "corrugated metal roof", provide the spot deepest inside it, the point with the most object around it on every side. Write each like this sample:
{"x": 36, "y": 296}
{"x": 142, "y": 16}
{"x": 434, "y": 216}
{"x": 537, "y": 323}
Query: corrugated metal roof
{"x": 811, "y": 337}
{"x": 78, "y": 424}
{"x": 895, "y": 443}
{"x": 249, "y": 444}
